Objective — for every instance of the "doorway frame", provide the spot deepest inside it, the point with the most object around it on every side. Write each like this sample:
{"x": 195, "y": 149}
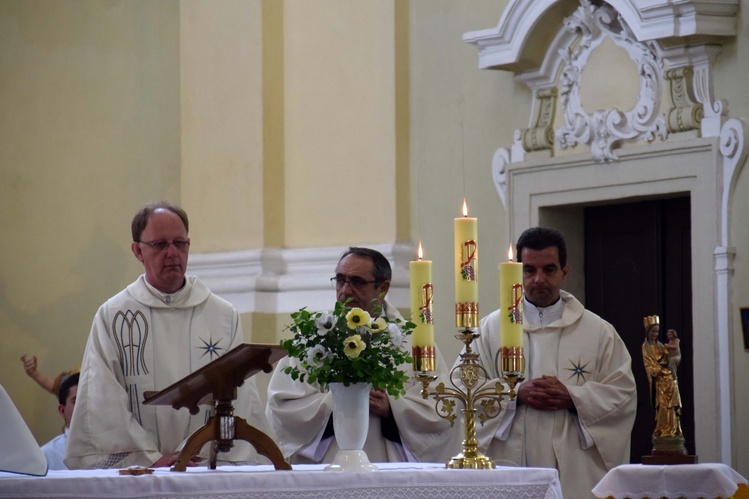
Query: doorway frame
{"x": 701, "y": 156}
{"x": 554, "y": 191}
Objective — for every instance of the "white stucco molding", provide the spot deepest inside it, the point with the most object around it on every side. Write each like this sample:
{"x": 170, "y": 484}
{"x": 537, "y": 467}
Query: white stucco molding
{"x": 701, "y": 58}
{"x": 546, "y": 43}
{"x": 276, "y": 281}
{"x": 506, "y": 45}
{"x": 499, "y": 173}
{"x": 733, "y": 148}
{"x": 604, "y": 129}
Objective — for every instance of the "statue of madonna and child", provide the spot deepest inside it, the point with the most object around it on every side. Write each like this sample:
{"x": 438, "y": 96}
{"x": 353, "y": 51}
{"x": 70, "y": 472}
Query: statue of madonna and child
{"x": 661, "y": 363}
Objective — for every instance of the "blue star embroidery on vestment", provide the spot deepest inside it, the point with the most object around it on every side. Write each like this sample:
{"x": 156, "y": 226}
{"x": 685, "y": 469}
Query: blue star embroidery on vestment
{"x": 577, "y": 370}
{"x": 210, "y": 347}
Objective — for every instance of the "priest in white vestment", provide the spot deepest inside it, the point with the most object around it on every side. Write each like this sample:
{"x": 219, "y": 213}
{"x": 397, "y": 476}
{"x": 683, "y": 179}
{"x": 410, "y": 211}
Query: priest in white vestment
{"x": 403, "y": 429}
{"x": 152, "y": 334}
{"x": 576, "y": 408}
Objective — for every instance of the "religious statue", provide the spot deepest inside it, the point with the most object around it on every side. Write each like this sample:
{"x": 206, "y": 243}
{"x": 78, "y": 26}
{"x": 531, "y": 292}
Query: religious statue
{"x": 661, "y": 362}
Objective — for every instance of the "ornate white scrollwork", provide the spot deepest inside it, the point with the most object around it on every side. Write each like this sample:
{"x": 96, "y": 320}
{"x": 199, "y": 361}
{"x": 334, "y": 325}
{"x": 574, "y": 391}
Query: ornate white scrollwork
{"x": 540, "y": 135}
{"x": 499, "y": 173}
{"x": 686, "y": 113}
{"x": 603, "y": 130}
{"x": 733, "y": 146}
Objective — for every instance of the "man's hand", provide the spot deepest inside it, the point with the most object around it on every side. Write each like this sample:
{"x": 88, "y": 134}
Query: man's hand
{"x": 43, "y": 380}
{"x": 29, "y": 364}
{"x": 546, "y": 393}
{"x": 167, "y": 460}
{"x": 379, "y": 404}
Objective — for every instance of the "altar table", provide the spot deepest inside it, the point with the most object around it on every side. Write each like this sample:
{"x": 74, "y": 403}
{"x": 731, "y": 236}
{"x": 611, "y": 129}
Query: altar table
{"x": 690, "y": 481}
{"x": 394, "y": 480}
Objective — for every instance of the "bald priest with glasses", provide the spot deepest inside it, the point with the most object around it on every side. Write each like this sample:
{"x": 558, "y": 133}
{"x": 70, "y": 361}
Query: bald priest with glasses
{"x": 403, "y": 429}
{"x": 159, "y": 329}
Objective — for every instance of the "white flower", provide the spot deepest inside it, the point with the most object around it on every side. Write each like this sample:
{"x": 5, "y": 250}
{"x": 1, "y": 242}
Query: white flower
{"x": 396, "y": 335}
{"x": 316, "y": 356}
{"x": 324, "y": 323}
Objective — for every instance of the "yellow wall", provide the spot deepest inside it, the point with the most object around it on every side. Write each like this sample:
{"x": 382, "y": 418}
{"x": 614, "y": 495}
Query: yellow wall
{"x": 90, "y": 130}
{"x": 339, "y": 133}
{"x": 220, "y": 92}
{"x": 110, "y": 104}
{"x": 457, "y": 123}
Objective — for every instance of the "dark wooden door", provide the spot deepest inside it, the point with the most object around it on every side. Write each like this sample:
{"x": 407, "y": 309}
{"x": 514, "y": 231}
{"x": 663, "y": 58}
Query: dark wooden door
{"x": 638, "y": 263}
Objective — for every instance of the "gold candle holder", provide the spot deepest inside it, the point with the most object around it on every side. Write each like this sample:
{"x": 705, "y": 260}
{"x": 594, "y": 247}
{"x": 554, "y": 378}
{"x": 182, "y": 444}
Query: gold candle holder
{"x": 471, "y": 373}
{"x": 467, "y": 315}
{"x": 424, "y": 358}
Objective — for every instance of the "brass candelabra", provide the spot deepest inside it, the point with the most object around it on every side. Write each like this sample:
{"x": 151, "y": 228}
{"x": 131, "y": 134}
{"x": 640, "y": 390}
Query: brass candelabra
{"x": 474, "y": 377}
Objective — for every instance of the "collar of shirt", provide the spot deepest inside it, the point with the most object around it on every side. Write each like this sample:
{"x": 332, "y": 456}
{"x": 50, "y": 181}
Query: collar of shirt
{"x": 175, "y": 298}
{"x": 538, "y": 316}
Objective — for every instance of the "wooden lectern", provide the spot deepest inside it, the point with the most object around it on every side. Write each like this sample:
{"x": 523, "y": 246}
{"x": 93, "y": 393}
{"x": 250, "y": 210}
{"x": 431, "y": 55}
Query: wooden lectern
{"x": 217, "y": 383}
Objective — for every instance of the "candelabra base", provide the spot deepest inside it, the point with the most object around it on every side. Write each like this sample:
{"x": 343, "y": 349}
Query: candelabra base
{"x": 477, "y": 461}
{"x": 474, "y": 379}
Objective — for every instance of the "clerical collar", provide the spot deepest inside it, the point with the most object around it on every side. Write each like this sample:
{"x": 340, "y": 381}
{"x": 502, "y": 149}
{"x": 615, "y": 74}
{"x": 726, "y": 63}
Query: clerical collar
{"x": 543, "y": 316}
{"x": 168, "y": 298}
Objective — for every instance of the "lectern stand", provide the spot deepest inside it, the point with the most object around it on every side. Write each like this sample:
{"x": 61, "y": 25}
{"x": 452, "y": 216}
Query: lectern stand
{"x": 217, "y": 382}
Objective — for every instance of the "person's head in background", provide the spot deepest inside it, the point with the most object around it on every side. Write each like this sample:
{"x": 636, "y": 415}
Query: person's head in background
{"x": 363, "y": 275}
{"x": 66, "y": 397}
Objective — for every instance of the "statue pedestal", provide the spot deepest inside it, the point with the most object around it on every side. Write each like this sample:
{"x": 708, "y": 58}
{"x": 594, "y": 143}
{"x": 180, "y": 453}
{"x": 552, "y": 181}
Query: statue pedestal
{"x": 669, "y": 450}
{"x": 217, "y": 383}
{"x": 672, "y": 459}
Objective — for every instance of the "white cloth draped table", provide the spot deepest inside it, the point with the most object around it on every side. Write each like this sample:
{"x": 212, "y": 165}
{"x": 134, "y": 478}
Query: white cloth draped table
{"x": 394, "y": 480}
{"x": 688, "y": 481}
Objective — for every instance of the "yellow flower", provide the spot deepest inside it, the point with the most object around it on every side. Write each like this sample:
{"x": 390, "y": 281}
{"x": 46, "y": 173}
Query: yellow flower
{"x": 357, "y": 317}
{"x": 378, "y": 325}
{"x": 353, "y": 346}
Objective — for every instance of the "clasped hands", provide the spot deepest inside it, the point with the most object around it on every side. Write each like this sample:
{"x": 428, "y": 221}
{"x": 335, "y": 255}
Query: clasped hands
{"x": 379, "y": 405}
{"x": 546, "y": 393}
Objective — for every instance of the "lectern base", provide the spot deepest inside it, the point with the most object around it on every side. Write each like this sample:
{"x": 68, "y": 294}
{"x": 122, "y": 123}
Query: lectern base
{"x": 212, "y": 431}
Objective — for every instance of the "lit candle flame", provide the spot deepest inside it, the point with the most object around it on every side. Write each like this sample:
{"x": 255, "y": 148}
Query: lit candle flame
{"x": 509, "y": 252}
{"x": 421, "y": 253}
{"x": 465, "y": 208}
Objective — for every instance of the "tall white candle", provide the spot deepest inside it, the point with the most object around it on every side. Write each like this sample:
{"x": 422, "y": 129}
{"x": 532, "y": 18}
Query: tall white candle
{"x": 511, "y": 302}
{"x": 466, "y": 270}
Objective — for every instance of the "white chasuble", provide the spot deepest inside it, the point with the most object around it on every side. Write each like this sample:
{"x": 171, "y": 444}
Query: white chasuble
{"x": 586, "y": 354}
{"x": 144, "y": 340}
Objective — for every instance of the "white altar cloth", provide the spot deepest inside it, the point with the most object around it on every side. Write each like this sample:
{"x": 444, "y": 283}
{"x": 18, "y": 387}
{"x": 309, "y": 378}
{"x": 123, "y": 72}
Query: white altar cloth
{"x": 394, "y": 480}
{"x": 688, "y": 481}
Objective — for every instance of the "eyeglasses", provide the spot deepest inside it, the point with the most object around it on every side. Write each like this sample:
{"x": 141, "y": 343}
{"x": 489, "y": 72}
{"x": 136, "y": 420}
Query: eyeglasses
{"x": 179, "y": 244}
{"x": 355, "y": 282}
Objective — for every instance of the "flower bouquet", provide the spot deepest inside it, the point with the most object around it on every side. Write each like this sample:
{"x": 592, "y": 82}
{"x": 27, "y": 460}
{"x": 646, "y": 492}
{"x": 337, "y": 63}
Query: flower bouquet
{"x": 348, "y": 346}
